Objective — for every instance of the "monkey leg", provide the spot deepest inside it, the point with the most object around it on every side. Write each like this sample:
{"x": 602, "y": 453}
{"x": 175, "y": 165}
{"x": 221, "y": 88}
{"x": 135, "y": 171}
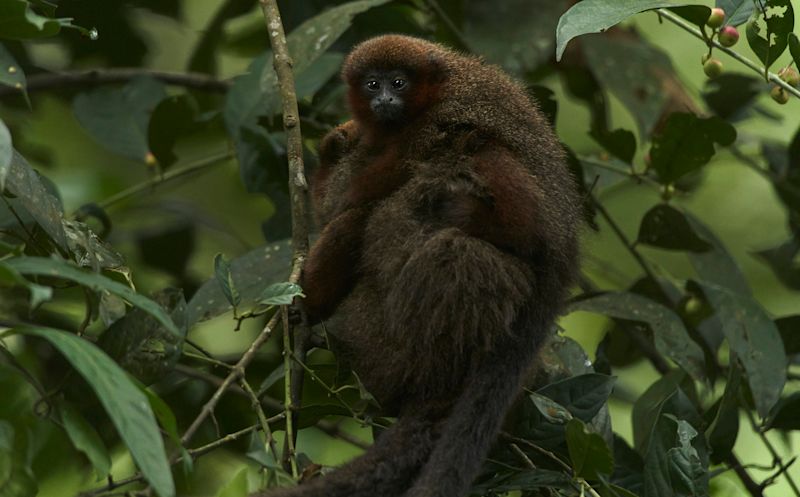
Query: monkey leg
{"x": 385, "y": 470}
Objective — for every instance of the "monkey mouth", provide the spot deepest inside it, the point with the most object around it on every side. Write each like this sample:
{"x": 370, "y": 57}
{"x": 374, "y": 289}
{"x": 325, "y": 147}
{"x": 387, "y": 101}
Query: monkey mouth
{"x": 387, "y": 112}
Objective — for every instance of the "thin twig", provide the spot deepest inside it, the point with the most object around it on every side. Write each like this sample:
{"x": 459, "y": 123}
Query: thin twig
{"x": 771, "y": 76}
{"x": 262, "y": 419}
{"x": 776, "y": 458}
{"x": 290, "y": 452}
{"x": 83, "y": 79}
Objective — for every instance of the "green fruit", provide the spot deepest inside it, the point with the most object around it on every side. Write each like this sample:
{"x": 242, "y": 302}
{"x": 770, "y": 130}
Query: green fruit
{"x": 728, "y": 36}
{"x": 779, "y": 95}
{"x": 712, "y": 68}
{"x": 790, "y": 75}
{"x": 716, "y": 19}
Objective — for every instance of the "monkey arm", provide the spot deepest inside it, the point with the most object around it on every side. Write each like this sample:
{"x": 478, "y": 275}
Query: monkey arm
{"x": 332, "y": 265}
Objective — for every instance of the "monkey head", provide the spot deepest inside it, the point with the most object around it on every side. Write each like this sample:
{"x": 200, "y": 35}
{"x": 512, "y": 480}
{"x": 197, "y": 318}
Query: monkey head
{"x": 393, "y": 79}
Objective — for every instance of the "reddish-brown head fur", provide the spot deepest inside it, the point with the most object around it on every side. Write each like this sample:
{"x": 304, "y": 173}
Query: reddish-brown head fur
{"x": 425, "y": 63}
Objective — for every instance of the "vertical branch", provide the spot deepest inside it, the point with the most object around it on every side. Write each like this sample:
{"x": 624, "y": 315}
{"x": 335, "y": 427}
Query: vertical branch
{"x": 298, "y": 187}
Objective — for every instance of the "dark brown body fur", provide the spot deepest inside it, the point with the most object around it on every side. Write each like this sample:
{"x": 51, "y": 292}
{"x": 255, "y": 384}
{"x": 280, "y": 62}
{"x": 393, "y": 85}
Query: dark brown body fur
{"x": 449, "y": 244}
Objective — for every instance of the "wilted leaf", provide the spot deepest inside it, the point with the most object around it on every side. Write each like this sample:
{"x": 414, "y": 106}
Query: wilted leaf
{"x": 687, "y": 143}
{"x": 669, "y": 334}
{"x": 124, "y": 403}
{"x": 768, "y": 31}
{"x": 666, "y": 227}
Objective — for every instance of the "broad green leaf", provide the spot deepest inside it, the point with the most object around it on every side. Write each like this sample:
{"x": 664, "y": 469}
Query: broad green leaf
{"x": 582, "y": 395}
{"x": 674, "y": 465}
{"x": 11, "y": 73}
{"x": 794, "y": 48}
{"x": 280, "y": 294}
{"x": 716, "y": 266}
{"x": 118, "y": 118}
{"x": 669, "y": 334}
{"x": 594, "y": 16}
{"x": 620, "y": 143}
{"x": 723, "y": 428}
{"x": 86, "y": 439}
{"x": 236, "y": 487}
{"x": 55, "y": 268}
{"x": 127, "y": 407}
{"x": 162, "y": 411}
{"x": 768, "y": 30}
{"x": 252, "y": 272}
{"x": 222, "y": 272}
{"x": 649, "y": 407}
{"x": 18, "y": 21}
{"x": 737, "y": 12}
{"x": 588, "y": 451}
{"x": 686, "y": 144}
{"x": 141, "y": 345}
{"x": 666, "y": 227}
{"x": 32, "y": 194}
{"x": 755, "y": 339}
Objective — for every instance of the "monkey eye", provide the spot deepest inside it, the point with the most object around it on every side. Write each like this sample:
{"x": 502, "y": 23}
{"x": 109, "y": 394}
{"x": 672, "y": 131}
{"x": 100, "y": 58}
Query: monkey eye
{"x": 373, "y": 85}
{"x": 399, "y": 83}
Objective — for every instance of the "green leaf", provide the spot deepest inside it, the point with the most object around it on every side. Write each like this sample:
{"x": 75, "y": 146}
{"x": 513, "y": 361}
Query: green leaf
{"x": 794, "y": 48}
{"x": 789, "y": 328}
{"x": 755, "y": 339}
{"x": 620, "y": 143}
{"x": 552, "y": 411}
{"x": 172, "y": 118}
{"x": 695, "y": 14}
{"x": 141, "y": 345}
{"x": 717, "y": 266}
{"x": 731, "y": 95}
{"x": 32, "y": 194}
{"x": 18, "y": 21}
{"x": 11, "y": 73}
{"x": 723, "y": 427}
{"x": 594, "y": 16}
{"x": 222, "y": 272}
{"x": 6, "y": 153}
{"x": 251, "y": 271}
{"x": 768, "y": 31}
{"x": 669, "y": 334}
{"x": 16, "y": 477}
{"x": 86, "y": 439}
{"x": 588, "y": 452}
{"x": 125, "y": 404}
{"x": 236, "y": 487}
{"x": 118, "y": 118}
{"x": 583, "y": 395}
{"x": 737, "y": 12}
{"x": 38, "y": 293}
{"x": 55, "y": 268}
{"x": 674, "y": 464}
{"x": 786, "y": 413}
{"x": 666, "y": 227}
{"x": 162, "y": 411}
{"x": 686, "y": 143}
{"x": 280, "y": 294}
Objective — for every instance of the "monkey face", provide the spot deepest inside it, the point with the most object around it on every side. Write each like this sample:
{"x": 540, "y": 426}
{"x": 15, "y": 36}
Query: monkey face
{"x": 386, "y": 93}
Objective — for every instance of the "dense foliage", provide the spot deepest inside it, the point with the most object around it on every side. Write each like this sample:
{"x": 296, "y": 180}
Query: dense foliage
{"x": 142, "y": 140}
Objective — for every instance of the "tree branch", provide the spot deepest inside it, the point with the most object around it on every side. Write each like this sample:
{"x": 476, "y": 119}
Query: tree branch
{"x": 82, "y": 79}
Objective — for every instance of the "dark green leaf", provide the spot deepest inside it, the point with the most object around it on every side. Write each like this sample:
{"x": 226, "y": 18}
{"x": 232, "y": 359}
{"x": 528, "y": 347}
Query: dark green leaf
{"x": 118, "y": 117}
{"x": 731, "y": 95}
{"x": 172, "y": 118}
{"x": 168, "y": 247}
{"x": 613, "y": 61}
{"x": 594, "y": 16}
{"x": 620, "y": 143}
{"x": 663, "y": 396}
{"x": 164, "y": 415}
{"x": 85, "y": 438}
{"x": 723, "y": 427}
{"x": 55, "y": 268}
{"x": 18, "y": 21}
{"x": 582, "y": 395}
{"x": 32, "y": 194}
{"x": 251, "y": 271}
{"x": 16, "y": 477}
{"x": 669, "y": 334}
{"x": 794, "y": 48}
{"x": 686, "y": 143}
{"x": 222, "y": 272}
{"x": 717, "y": 266}
{"x": 588, "y": 451}
{"x": 666, "y": 227}
{"x": 786, "y": 413}
{"x": 280, "y": 294}
{"x": 126, "y": 406}
{"x": 204, "y": 56}
{"x": 38, "y": 293}
{"x": 789, "y": 328}
{"x": 11, "y": 73}
{"x": 695, "y": 14}
{"x": 530, "y": 479}
{"x": 781, "y": 259}
{"x": 737, "y": 12}
{"x": 141, "y": 345}
{"x": 768, "y": 31}
{"x": 552, "y": 411}
{"x": 756, "y": 341}
{"x": 674, "y": 465}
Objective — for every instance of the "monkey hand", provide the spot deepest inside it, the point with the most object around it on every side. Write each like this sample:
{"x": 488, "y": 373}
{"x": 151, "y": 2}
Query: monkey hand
{"x": 338, "y": 143}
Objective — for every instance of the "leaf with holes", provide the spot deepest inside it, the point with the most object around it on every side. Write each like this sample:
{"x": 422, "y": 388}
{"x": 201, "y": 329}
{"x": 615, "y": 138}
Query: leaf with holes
{"x": 768, "y": 30}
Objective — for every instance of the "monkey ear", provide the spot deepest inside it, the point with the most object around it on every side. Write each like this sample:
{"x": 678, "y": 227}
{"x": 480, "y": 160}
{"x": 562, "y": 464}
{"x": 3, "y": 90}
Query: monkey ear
{"x": 437, "y": 67}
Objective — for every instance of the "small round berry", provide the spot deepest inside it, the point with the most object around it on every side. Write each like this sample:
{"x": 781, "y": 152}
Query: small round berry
{"x": 779, "y": 95}
{"x": 716, "y": 19}
{"x": 790, "y": 75}
{"x": 668, "y": 192}
{"x": 728, "y": 36}
{"x": 712, "y": 68}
